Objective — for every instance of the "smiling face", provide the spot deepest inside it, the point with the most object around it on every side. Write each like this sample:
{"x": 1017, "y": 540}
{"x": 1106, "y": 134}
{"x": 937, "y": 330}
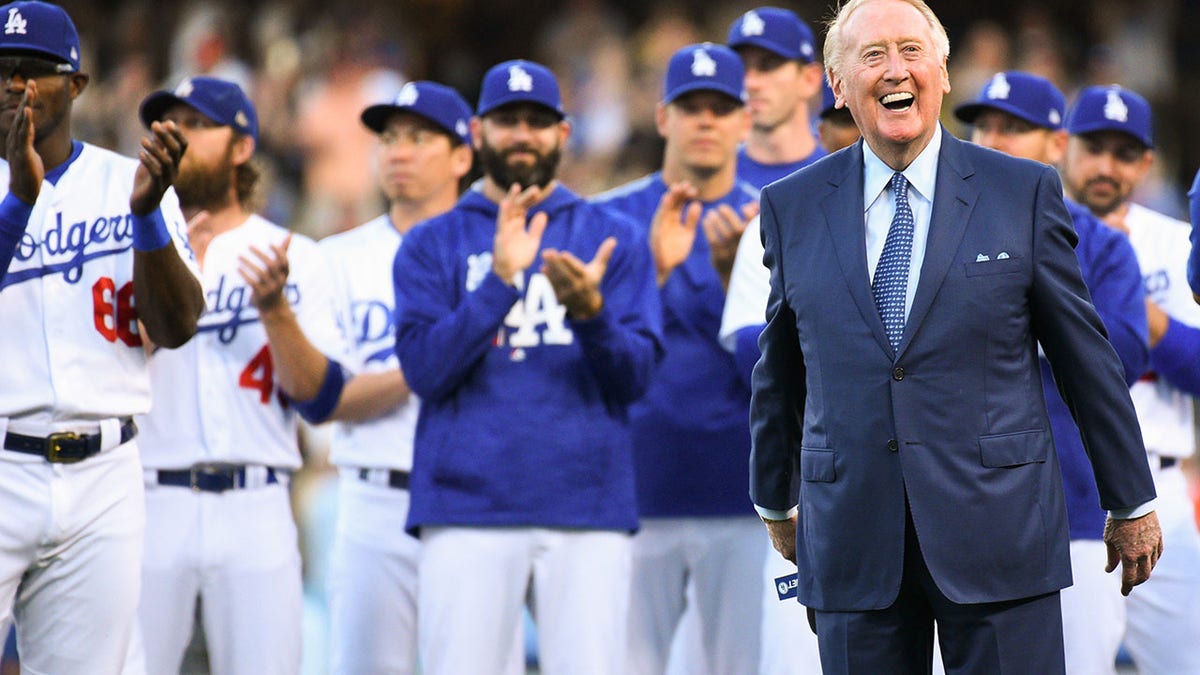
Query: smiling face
{"x": 892, "y": 76}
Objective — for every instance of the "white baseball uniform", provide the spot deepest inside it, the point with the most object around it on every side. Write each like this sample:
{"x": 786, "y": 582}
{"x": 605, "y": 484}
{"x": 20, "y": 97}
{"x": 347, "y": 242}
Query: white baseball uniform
{"x": 221, "y": 423}
{"x": 1163, "y": 615}
{"x": 788, "y": 644}
{"x": 373, "y": 566}
{"x": 71, "y": 536}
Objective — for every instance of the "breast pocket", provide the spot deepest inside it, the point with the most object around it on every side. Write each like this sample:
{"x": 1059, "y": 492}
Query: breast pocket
{"x": 817, "y": 465}
{"x": 990, "y": 267}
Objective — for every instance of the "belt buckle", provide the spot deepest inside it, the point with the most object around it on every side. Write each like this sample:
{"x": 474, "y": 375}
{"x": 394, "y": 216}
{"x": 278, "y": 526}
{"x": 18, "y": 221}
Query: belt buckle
{"x": 199, "y": 470}
{"x": 54, "y": 447}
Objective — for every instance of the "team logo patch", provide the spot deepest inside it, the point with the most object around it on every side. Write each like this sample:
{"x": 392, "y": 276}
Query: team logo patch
{"x": 752, "y": 24}
{"x": 703, "y": 65}
{"x": 519, "y": 79}
{"x": 16, "y": 23}
{"x": 408, "y": 95}
{"x": 1055, "y": 117}
{"x": 1114, "y": 108}
{"x": 184, "y": 89}
{"x": 999, "y": 87}
{"x": 460, "y": 127}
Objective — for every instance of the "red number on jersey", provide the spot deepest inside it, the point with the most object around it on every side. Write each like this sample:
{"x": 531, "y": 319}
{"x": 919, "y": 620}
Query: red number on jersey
{"x": 119, "y": 321}
{"x": 259, "y": 374}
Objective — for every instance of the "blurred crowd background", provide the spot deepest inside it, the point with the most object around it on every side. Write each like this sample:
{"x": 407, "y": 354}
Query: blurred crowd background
{"x": 311, "y": 67}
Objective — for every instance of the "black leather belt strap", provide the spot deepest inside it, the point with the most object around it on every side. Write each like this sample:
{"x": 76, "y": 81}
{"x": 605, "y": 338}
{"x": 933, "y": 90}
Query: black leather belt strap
{"x": 396, "y": 478}
{"x": 65, "y": 447}
{"x": 212, "y": 477}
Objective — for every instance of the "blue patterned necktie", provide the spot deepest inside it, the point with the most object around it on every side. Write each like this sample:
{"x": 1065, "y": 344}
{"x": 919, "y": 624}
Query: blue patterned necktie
{"x": 891, "y": 274}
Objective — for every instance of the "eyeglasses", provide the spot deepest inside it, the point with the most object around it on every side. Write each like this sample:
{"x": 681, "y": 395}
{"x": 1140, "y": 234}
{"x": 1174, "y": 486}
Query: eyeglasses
{"x": 31, "y": 67}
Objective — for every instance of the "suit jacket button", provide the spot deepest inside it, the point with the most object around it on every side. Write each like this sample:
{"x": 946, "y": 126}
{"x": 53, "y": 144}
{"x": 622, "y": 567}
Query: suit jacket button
{"x": 897, "y": 373}
{"x": 893, "y": 445}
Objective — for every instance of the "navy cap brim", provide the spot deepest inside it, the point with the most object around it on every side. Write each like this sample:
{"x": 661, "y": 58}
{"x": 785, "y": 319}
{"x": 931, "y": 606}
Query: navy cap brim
{"x": 157, "y": 104}
{"x": 1101, "y": 125}
{"x": 967, "y": 112}
{"x": 703, "y": 86}
{"x": 375, "y": 118}
{"x": 24, "y": 50}
{"x": 762, "y": 43}
{"x": 514, "y": 100}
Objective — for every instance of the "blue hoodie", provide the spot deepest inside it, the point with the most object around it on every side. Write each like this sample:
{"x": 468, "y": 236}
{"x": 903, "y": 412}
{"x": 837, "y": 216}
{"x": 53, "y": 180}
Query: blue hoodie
{"x": 691, "y": 432}
{"x": 524, "y": 411}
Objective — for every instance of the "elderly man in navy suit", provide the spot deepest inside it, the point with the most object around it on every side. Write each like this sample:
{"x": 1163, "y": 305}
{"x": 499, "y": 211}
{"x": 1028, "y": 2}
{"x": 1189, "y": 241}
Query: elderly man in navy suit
{"x": 913, "y": 277}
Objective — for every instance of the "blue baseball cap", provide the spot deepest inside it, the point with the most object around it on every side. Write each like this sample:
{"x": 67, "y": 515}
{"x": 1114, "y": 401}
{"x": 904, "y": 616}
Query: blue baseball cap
{"x": 1112, "y": 108}
{"x": 40, "y": 28}
{"x": 705, "y": 67}
{"x": 519, "y": 81}
{"x": 435, "y": 102}
{"x": 1023, "y": 95}
{"x": 222, "y": 101}
{"x": 776, "y": 30}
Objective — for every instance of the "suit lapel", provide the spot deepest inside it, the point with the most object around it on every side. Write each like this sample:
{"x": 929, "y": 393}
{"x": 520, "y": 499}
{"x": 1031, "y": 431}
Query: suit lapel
{"x": 953, "y": 200}
{"x": 843, "y": 209}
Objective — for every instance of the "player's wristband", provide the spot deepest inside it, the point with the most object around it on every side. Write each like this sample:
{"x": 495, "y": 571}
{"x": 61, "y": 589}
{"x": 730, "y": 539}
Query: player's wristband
{"x": 150, "y": 231}
{"x": 14, "y": 215}
{"x": 320, "y": 407}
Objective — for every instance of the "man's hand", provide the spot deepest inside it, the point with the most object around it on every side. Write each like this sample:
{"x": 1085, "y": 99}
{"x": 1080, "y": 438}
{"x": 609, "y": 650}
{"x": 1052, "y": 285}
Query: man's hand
{"x": 160, "y": 156}
{"x": 723, "y": 227}
{"x": 1136, "y": 544}
{"x": 268, "y": 277}
{"x": 576, "y": 285}
{"x": 26, "y": 169}
{"x": 515, "y": 247}
{"x": 673, "y": 230}
{"x": 783, "y": 537}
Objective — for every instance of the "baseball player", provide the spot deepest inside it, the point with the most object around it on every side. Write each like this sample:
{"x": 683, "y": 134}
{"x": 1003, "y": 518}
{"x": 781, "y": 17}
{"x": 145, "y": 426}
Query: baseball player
{"x": 690, "y": 431}
{"x": 1022, "y": 115}
{"x": 424, "y": 151}
{"x": 1110, "y": 151}
{"x": 93, "y": 262}
{"x": 220, "y": 442}
{"x": 782, "y": 78}
{"x": 526, "y": 359}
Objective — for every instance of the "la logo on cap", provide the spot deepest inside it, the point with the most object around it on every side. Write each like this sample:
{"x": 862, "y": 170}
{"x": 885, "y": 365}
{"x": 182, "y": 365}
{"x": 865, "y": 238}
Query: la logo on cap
{"x": 1114, "y": 108}
{"x": 999, "y": 87}
{"x": 461, "y": 127}
{"x": 16, "y": 23}
{"x": 703, "y": 64}
{"x": 241, "y": 120}
{"x": 408, "y": 95}
{"x": 184, "y": 89}
{"x": 519, "y": 79}
{"x": 1055, "y": 117}
{"x": 752, "y": 24}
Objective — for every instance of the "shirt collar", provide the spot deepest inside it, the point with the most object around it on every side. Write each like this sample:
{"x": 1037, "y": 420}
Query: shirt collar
{"x": 921, "y": 173}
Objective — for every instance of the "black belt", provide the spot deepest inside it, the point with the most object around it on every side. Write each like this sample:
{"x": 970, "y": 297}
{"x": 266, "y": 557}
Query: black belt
{"x": 1166, "y": 462}
{"x": 396, "y": 478}
{"x": 65, "y": 447}
{"x": 212, "y": 477}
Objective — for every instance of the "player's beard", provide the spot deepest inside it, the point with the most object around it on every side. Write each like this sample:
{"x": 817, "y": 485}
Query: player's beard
{"x": 540, "y": 173}
{"x": 206, "y": 187}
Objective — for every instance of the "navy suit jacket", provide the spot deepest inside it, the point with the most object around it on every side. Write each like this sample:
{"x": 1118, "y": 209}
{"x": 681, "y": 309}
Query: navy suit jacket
{"x": 955, "y": 421}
